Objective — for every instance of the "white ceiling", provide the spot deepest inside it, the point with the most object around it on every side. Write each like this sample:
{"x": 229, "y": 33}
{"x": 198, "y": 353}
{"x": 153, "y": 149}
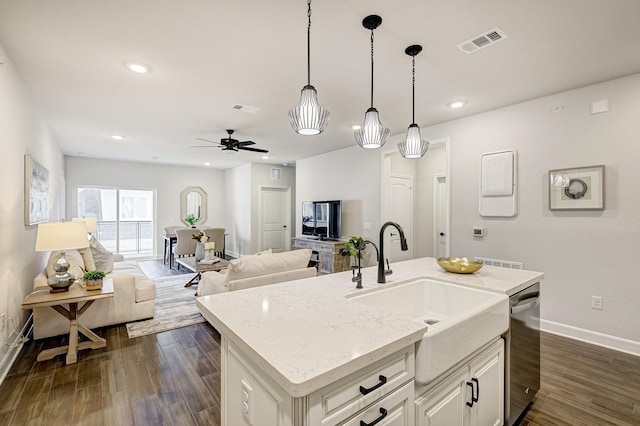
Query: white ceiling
{"x": 207, "y": 55}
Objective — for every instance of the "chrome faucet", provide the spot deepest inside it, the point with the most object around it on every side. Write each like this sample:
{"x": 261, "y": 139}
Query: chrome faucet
{"x": 382, "y": 273}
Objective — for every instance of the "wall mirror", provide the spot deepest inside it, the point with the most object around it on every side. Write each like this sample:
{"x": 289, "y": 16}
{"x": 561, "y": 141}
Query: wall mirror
{"x": 193, "y": 200}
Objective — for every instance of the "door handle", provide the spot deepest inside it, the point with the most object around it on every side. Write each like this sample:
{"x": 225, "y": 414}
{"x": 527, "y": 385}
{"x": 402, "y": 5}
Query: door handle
{"x": 284, "y": 226}
{"x": 442, "y": 234}
{"x": 392, "y": 234}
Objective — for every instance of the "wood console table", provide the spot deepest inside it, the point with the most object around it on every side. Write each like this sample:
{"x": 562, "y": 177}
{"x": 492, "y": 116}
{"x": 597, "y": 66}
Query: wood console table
{"x": 325, "y": 253}
{"x": 42, "y": 297}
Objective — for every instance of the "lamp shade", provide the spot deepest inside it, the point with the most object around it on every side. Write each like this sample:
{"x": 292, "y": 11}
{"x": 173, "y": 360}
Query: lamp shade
{"x": 90, "y": 222}
{"x": 308, "y": 117}
{"x": 372, "y": 134}
{"x": 61, "y": 236}
{"x": 413, "y": 146}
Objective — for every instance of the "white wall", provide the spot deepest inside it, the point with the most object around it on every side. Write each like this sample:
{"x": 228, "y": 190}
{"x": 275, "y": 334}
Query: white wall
{"x": 238, "y": 209}
{"x": 352, "y": 175}
{"x": 167, "y": 181}
{"x": 21, "y": 132}
{"x": 582, "y": 253}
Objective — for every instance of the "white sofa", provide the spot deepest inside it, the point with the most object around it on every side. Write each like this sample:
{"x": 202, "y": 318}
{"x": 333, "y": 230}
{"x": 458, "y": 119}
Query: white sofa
{"x": 254, "y": 271}
{"x": 133, "y": 299}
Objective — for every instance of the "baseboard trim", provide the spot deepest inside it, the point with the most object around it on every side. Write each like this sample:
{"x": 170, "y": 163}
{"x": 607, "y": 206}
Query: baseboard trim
{"x": 612, "y": 342}
{"x": 14, "y": 349}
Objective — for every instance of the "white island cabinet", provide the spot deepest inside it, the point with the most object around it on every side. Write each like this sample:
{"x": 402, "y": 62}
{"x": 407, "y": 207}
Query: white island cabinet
{"x": 381, "y": 394}
{"x": 302, "y": 353}
{"x": 473, "y": 395}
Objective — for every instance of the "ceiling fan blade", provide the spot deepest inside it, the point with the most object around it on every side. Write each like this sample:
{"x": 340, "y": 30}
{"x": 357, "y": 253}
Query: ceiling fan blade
{"x": 204, "y": 146}
{"x": 253, "y": 149}
{"x": 245, "y": 143}
{"x": 206, "y": 140}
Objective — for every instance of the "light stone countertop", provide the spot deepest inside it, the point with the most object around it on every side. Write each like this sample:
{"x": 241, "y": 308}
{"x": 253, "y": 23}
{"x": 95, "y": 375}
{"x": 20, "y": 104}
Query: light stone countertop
{"x": 306, "y": 334}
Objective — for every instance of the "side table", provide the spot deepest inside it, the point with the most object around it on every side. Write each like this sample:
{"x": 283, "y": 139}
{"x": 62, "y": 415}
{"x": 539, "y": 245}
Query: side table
{"x": 41, "y": 297}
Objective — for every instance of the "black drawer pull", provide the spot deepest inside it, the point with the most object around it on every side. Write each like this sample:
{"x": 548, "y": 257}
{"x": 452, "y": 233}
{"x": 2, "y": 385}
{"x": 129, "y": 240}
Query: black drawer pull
{"x": 383, "y": 414}
{"x": 477, "y": 390}
{"x": 365, "y": 391}
{"x": 473, "y": 398}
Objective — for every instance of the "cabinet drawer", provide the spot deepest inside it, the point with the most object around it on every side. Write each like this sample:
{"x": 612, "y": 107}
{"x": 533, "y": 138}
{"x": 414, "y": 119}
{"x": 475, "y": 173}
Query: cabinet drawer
{"x": 395, "y": 409}
{"x": 301, "y": 244}
{"x": 342, "y": 399}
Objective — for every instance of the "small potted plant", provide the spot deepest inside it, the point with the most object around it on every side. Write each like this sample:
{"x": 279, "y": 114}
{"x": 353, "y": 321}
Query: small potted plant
{"x": 93, "y": 279}
{"x": 191, "y": 219}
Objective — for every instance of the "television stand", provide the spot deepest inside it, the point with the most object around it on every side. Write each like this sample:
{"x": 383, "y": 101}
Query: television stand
{"x": 327, "y": 253}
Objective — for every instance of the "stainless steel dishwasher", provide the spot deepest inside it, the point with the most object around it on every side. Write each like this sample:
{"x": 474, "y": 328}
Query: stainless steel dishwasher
{"x": 522, "y": 353}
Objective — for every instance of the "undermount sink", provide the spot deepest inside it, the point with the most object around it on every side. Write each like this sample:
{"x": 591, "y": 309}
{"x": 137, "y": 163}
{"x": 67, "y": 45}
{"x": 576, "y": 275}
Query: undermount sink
{"x": 459, "y": 320}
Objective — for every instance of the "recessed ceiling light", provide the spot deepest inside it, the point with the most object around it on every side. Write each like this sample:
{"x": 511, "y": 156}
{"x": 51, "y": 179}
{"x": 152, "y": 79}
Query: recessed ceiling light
{"x": 207, "y": 164}
{"x": 457, "y": 104}
{"x": 285, "y": 164}
{"x": 117, "y": 137}
{"x": 355, "y": 127}
{"x": 82, "y": 154}
{"x": 265, "y": 157}
{"x": 138, "y": 67}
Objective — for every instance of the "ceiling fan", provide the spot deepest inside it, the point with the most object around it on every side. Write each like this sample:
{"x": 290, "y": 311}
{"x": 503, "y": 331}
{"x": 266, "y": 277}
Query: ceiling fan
{"x": 230, "y": 145}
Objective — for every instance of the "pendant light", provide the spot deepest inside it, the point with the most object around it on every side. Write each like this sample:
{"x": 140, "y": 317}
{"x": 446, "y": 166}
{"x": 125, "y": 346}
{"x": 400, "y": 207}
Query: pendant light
{"x": 308, "y": 117}
{"x": 372, "y": 134}
{"x": 413, "y": 146}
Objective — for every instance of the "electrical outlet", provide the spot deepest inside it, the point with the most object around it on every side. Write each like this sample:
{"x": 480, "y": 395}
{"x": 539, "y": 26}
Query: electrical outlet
{"x": 597, "y": 302}
{"x": 247, "y": 401}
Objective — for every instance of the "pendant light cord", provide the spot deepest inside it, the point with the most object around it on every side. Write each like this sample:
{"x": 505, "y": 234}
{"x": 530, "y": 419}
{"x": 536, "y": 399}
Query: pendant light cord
{"x": 371, "y": 68}
{"x": 309, "y": 43}
{"x": 413, "y": 89}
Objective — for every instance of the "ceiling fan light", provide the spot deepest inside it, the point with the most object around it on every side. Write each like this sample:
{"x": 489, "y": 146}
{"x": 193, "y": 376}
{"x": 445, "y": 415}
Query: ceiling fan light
{"x": 308, "y": 117}
{"x": 372, "y": 134}
{"x": 413, "y": 146}
{"x": 228, "y": 150}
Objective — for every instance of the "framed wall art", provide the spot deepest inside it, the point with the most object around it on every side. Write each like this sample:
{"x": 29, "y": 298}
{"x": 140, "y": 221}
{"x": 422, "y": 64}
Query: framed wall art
{"x": 36, "y": 192}
{"x": 578, "y": 188}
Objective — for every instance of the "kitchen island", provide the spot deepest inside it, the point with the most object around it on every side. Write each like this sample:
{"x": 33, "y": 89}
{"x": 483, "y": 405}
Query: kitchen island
{"x": 293, "y": 353}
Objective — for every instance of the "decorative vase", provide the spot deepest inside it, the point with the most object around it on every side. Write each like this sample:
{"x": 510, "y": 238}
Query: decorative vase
{"x": 93, "y": 284}
{"x": 199, "y": 251}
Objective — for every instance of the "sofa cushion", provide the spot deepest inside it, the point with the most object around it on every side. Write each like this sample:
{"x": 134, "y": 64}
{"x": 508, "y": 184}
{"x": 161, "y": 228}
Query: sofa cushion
{"x": 252, "y": 266}
{"x": 73, "y": 257}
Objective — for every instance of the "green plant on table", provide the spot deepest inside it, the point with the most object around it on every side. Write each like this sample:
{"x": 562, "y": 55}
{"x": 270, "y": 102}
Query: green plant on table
{"x": 353, "y": 247}
{"x": 191, "y": 219}
{"x": 93, "y": 275}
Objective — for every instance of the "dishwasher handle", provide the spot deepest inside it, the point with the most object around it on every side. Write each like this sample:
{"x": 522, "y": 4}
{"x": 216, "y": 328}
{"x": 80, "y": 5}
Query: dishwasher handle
{"x": 527, "y": 302}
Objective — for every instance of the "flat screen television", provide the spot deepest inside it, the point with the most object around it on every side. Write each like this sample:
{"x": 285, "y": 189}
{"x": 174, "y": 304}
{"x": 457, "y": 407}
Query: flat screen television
{"x": 322, "y": 219}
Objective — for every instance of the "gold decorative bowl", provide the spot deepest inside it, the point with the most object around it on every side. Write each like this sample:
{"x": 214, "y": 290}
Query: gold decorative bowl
{"x": 459, "y": 265}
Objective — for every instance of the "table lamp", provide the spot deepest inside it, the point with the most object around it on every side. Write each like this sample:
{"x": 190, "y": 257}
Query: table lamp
{"x": 90, "y": 222}
{"x": 61, "y": 236}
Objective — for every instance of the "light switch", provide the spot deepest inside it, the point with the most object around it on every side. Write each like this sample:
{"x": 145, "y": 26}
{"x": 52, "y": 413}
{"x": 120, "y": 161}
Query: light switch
{"x": 598, "y": 107}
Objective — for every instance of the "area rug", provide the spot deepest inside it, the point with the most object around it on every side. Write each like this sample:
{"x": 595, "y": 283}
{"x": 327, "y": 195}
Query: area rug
{"x": 175, "y": 307}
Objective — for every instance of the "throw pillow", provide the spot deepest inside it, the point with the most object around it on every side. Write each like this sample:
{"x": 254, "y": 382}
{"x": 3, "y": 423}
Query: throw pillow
{"x": 87, "y": 257}
{"x": 103, "y": 258}
{"x": 73, "y": 257}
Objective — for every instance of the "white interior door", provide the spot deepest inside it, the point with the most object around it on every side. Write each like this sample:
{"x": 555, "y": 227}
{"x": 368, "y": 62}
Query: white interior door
{"x": 275, "y": 208}
{"x": 440, "y": 216}
{"x": 401, "y": 212}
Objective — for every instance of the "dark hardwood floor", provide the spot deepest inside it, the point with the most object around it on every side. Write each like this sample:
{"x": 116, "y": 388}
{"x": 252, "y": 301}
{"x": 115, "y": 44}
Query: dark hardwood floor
{"x": 173, "y": 378}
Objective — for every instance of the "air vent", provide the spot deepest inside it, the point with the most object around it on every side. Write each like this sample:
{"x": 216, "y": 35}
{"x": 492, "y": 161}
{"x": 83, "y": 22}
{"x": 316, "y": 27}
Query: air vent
{"x": 481, "y": 41}
{"x": 246, "y": 108}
